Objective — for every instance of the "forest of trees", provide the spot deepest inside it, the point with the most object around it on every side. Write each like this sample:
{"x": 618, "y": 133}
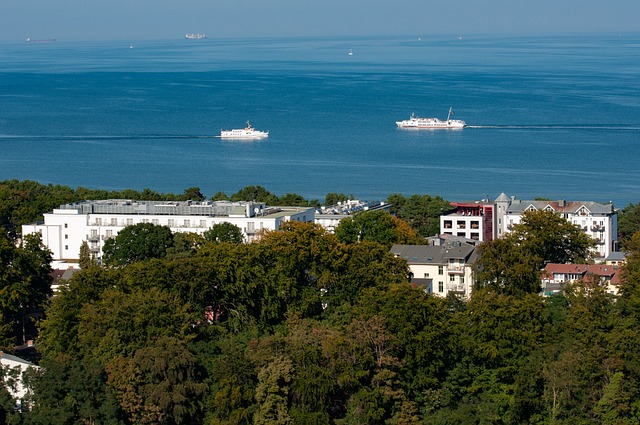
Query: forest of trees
{"x": 306, "y": 327}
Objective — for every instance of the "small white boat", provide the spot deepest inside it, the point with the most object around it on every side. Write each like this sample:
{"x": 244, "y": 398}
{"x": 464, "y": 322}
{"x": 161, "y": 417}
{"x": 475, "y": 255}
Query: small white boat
{"x": 429, "y": 123}
{"x": 350, "y": 52}
{"x": 244, "y": 133}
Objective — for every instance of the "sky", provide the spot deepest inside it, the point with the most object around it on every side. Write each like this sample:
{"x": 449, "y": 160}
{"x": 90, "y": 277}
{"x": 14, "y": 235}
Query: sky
{"x": 162, "y": 19}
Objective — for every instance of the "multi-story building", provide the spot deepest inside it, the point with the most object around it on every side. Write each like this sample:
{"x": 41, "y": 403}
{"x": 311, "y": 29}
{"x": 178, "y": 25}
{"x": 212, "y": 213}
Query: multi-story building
{"x": 64, "y": 229}
{"x": 329, "y": 217}
{"x": 444, "y": 266}
{"x": 487, "y": 220}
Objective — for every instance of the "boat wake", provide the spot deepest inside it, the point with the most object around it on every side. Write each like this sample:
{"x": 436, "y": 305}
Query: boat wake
{"x": 103, "y": 137}
{"x": 623, "y": 127}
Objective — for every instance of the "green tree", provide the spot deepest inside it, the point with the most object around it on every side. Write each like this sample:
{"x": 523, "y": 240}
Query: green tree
{"x": 628, "y": 223}
{"x": 220, "y": 196}
{"x": 293, "y": 199}
{"x": 255, "y": 193}
{"x": 552, "y": 238}
{"x": 25, "y": 284}
{"x": 224, "y": 232}
{"x": 333, "y": 198}
{"x": 375, "y": 226}
{"x": 139, "y": 242}
{"x": 272, "y": 391}
{"x": 86, "y": 259}
{"x": 159, "y": 384}
{"x": 67, "y": 391}
{"x": 193, "y": 194}
{"x": 422, "y": 212}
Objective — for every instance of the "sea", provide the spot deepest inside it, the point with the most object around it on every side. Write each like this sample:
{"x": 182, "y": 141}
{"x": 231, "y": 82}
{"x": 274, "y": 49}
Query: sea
{"x": 548, "y": 116}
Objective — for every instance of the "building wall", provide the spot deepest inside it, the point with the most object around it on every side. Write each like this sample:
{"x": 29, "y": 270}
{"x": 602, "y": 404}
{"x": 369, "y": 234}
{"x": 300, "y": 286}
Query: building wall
{"x": 446, "y": 278}
{"x": 64, "y": 230}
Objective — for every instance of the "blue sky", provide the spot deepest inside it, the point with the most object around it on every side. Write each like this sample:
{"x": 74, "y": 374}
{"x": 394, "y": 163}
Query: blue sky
{"x": 148, "y": 19}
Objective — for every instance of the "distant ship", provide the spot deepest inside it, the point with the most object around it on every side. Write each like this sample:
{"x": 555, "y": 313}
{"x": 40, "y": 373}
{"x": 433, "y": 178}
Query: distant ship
{"x": 245, "y": 133}
{"x": 415, "y": 122}
{"x": 197, "y": 36}
{"x": 45, "y": 40}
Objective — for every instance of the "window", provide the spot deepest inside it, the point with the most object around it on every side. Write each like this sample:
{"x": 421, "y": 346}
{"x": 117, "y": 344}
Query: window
{"x": 155, "y": 221}
{"x": 109, "y": 233}
{"x": 461, "y": 280}
{"x": 114, "y": 221}
{"x": 99, "y": 221}
{"x": 172, "y": 222}
{"x": 440, "y": 286}
{"x": 426, "y": 275}
{"x": 187, "y": 223}
{"x": 440, "y": 269}
{"x": 250, "y": 227}
{"x": 203, "y": 223}
{"x": 129, "y": 222}
{"x": 66, "y": 247}
{"x": 452, "y": 278}
{"x": 66, "y": 225}
{"x": 66, "y": 236}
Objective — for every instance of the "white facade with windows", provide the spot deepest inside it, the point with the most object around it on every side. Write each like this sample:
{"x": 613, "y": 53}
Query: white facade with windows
{"x": 64, "y": 229}
{"x": 443, "y": 267}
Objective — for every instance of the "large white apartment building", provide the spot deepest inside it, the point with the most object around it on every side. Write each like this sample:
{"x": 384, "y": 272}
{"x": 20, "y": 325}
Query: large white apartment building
{"x": 443, "y": 267}
{"x": 64, "y": 229}
{"x": 487, "y": 220}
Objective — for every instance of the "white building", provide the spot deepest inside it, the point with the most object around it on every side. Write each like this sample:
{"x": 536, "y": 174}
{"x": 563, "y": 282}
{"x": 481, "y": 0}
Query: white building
{"x": 64, "y": 229}
{"x": 444, "y": 266}
{"x": 330, "y": 217}
{"x": 488, "y": 220}
{"x": 599, "y": 221}
{"x": 14, "y": 367}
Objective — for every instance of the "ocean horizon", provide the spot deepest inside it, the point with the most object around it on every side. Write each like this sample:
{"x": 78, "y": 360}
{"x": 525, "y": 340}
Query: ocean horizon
{"x": 548, "y": 116}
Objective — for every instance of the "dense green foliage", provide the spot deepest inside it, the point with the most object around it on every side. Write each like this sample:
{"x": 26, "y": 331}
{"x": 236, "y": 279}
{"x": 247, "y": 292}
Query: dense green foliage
{"x": 305, "y": 327}
{"x": 139, "y": 242}
{"x": 224, "y": 232}
{"x": 628, "y": 223}
{"x": 422, "y": 212}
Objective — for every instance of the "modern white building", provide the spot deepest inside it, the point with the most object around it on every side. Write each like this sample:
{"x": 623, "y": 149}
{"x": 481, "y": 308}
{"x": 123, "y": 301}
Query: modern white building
{"x": 487, "y": 220}
{"x": 330, "y": 217}
{"x": 64, "y": 229}
{"x": 443, "y": 267}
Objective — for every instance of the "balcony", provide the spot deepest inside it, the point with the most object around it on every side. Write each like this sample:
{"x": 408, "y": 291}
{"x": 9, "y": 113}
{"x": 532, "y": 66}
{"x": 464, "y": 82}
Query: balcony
{"x": 597, "y": 228}
{"x": 93, "y": 238}
{"x": 456, "y": 287}
{"x": 455, "y": 268}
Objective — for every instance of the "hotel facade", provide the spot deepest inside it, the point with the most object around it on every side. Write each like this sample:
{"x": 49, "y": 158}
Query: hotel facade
{"x": 66, "y": 228}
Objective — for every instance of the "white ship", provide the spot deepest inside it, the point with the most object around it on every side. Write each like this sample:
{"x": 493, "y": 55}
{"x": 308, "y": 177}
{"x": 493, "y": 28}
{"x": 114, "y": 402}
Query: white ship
{"x": 197, "y": 36}
{"x": 245, "y": 133}
{"x": 415, "y": 122}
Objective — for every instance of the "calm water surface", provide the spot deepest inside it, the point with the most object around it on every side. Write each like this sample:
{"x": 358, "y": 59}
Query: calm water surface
{"x": 555, "y": 117}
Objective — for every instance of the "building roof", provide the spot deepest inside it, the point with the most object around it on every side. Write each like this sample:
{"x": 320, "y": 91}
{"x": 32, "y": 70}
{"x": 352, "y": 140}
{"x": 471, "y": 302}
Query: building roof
{"x": 502, "y": 198}
{"x": 607, "y": 271}
{"x": 434, "y": 254}
{"x": 15, "y": 359}
{"x": 518, "y": 206}
{"x": 617, "y": 256}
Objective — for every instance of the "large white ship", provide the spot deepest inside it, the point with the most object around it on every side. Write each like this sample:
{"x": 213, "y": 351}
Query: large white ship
{"x": 244, "y": 133}
{"x": 415, "y": 122}
{"x": 197, "y": 36}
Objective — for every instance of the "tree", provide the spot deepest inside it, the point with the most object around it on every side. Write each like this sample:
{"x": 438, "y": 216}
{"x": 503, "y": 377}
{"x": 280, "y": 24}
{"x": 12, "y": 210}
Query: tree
{"x": 374, "y": 226}
{"x": 293, "y": 199}
{"x": 255, "y": 193}
{"x": 25, "y": 283}
{"x": 86, "y": 260}
{"x": 421, "y": 212}
{"x": 552, "y": 238}
{"x": 333, "y": 198}
{"x": 220, "y": 196}
{"x": 159, "y": 384}
{"x": 507, "y": 267}
{"x": 193, "y": 194}
{"x": 272, "y": 391}
{"x": 628, "y": 223}
{"x": 224, "y": 232}
{"x": 139, "y": 242}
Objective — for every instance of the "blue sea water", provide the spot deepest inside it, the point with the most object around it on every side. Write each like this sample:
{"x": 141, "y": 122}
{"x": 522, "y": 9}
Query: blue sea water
{"x": 548, "y": 116}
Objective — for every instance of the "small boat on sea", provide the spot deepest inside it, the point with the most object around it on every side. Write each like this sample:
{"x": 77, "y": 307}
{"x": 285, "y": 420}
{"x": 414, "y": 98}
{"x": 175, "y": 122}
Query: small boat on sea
{"x": 429, "y": 123}
{"x": 244, "y": 133}
{"x": 44, "y": 40}
{"x": 196, "y": 36}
